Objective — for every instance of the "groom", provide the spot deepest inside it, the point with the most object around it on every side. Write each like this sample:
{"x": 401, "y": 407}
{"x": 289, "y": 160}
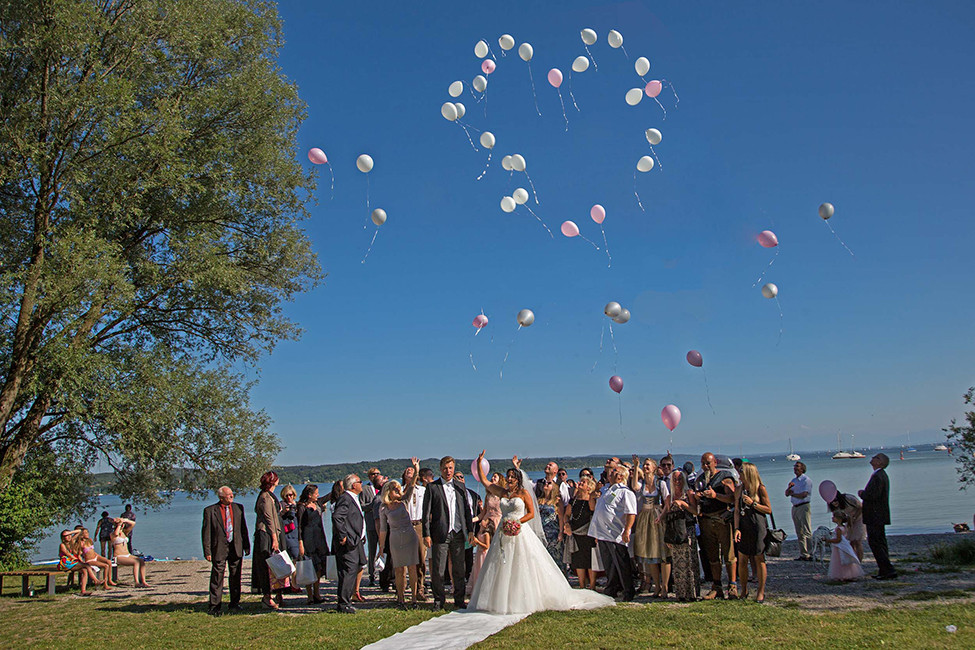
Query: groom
{"x": 447, "y": 526}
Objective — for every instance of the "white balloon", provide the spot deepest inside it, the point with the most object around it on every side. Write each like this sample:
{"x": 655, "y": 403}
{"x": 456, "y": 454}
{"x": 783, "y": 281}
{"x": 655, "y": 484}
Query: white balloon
{"x": 614, "y": 38}
{"x": 581, "y": 64}
{"x": 379, "y": 216}
{"x": 507, "y": 41}
{"x": 518, "y": 163}
{"x": 613, "y": 309}
{"x": 456, "y": 89}
{"x": 770, "y": 290}
{"x": 826, "y": 211}
{"x": 508, "y": 204}
{"x": 526, "y": 52}
{"x": 480, "y": 83}
{"x": 525, "y": 317}
{"x": 622, "y": 317}
{"x": 588, "y": 36}
{"x": 634, "y": 96}
{"x": 644, "y": 164}
{"x": 642, "y": 65}
{"x": 506, "y": 164}
{"x": 654, "y": 136}
{"x": 487, "y": 140}
{"x": 520, "y": 196}
{"x": 480, "y": 49}
{"x": 461, "y": 111}
{"x": 449, "y": 111}
{"x": 364, "y": 163}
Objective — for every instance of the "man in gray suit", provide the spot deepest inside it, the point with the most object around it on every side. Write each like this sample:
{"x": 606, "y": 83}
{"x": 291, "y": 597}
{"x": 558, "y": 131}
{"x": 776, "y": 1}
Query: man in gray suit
{"x": 225, "y": 543}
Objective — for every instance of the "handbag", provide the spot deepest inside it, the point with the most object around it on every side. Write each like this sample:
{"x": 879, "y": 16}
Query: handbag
{"x": 306, "y": 574}
{"x": 280, "y": 565}
{"x": 773, "y": 539}
{"x": 675, "y": 528}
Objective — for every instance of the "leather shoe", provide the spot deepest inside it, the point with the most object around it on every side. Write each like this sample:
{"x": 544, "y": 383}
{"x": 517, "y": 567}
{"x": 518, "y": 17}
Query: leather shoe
{"x": 460, "y": 605}
{"x": 214, "y": 611}
{"x": 887, "y": 576}
{"x": 348, "y": 609}
{"x": 236, "y": 608}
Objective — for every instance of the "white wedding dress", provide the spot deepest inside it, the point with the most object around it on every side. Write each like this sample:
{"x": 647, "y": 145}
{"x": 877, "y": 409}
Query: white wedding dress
{"x": 519, "y": 576}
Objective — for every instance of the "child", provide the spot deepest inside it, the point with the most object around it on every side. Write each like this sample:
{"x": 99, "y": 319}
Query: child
{"x": 483, "y": 543}
{"x": 843, "y": 563}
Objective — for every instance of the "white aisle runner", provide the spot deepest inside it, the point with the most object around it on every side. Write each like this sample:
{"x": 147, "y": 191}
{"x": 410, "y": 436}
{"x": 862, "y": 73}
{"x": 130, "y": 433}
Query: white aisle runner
{"x": 453, "y": 631}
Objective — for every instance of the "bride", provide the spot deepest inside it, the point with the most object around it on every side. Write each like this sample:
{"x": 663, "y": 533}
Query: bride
{"x": 518, "y": 575}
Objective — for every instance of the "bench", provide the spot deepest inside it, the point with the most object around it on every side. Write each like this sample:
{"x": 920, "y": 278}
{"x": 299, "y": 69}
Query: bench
{"x": 27, "y": 575}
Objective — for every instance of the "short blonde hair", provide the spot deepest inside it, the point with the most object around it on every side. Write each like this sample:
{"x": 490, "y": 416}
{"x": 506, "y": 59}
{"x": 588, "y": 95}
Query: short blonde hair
{"x": 587, "y": 483}
{"x": 386, "y": 495}
{"x": 289, "y": 489}
{"x": 624, "y": 470}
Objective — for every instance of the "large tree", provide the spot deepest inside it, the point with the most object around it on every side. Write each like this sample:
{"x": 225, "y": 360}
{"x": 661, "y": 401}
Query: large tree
{"x": 150, "y": 202}
{"x": 962, "y": 438}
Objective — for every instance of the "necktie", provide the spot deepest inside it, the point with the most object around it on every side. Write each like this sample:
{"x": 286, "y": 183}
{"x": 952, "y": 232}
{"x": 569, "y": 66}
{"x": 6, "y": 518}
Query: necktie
{"x": 230, "y": 522}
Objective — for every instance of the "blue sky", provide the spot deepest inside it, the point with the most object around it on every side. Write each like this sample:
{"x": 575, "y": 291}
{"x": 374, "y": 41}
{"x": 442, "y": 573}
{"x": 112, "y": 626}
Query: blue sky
{"x": 782, "y": 106}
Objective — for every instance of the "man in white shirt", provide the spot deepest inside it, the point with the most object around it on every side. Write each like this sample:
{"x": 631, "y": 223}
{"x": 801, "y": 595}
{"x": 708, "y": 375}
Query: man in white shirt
{"x": 612, "y": 521}
{"x": 799, "y": 490}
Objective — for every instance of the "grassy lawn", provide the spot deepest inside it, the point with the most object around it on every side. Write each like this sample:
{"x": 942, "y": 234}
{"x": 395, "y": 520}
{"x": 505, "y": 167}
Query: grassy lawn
{"x": 49, "y": 622}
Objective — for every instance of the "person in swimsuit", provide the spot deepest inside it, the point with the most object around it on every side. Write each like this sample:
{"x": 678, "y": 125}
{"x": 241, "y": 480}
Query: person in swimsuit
{"x": 84, "y": 547}
{"x": 120, "y": 544}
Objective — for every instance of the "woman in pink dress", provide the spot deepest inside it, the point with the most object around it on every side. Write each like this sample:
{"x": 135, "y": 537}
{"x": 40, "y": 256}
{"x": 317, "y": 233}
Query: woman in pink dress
{"x": 844, "y": 565}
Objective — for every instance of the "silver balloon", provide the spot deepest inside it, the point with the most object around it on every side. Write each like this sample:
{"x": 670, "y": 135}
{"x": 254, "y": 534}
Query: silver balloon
{"x": 623, "y": 317}
{"x": 525, "y": 317}
{"x": 612, "y": 309}
{"x": 826, "y": 211}
{"x": 379, "y": 216}
{"x": 770, "y": 290}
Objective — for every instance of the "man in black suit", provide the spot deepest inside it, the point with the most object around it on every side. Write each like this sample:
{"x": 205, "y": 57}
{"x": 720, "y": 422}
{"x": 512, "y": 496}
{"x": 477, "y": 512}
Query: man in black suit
{"x": 447, "y": 526}
{"x": 876, "y": 515}
{"x": 225, "y": 542}
{"x": 348, "y": 537}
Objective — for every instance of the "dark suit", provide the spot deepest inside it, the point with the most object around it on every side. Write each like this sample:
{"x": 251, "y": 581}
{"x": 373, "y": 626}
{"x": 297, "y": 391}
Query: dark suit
{"x": 474, "y": 499}
{"x": 347, "y": 523}
{"x": 223, "y": 553}
{"x": 436, "y": 526}
{"x": 876, "y": 515}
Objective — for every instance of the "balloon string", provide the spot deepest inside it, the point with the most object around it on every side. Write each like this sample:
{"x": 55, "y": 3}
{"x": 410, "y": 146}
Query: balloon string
{"x": 534, "y": 193}
{"x": 594, "y": 66}
{"x": 619, "y": 395}
{"x": 606, "y": 244}
{"x": 368, "y": 211}
{"x": 616, "y": 352}
{"x": 781, "y": 321}
{"x": 484, "y": 97}
{"x": 838, "y": 238}
{"x": 470, "y": 126}
{"x": 661, "y": 107}
{"x": 571, "y": 96}
{"x": 470, "y": 350}
{"x": 369, "y": 250}
{"x": 508, "y": 351}
{"x": 673, "y": 90}
{"x": 563, "y": 110}
{"x": 625, "y": 53}
{"x": 491, "y": 52}
{"x": 602, "y": 333}
{"x": 655, "y": 158}
{"x": 332, "y": 174}
{"x": 486, "y": 165}
{"x": 468, "y": 134}
{"x": 638, "y": 201}
{"x": 767, "y": 267}
{"x": 707, "y": 391}
{"x": 540, "y": 221}
{"x": 583, "y": 237}
{"x": 534, "y": 94}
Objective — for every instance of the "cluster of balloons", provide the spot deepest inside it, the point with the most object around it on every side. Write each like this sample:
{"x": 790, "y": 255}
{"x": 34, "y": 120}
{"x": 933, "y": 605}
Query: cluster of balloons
{"x": 617, "y": 312}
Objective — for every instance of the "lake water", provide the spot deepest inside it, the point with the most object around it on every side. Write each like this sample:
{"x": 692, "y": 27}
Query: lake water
{"x": 924, "y": 499}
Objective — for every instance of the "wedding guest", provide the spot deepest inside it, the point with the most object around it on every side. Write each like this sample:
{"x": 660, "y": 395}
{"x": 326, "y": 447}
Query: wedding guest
{"x": 482, "y": 542}
{"x": 268, "y": 539}
{"x": 716, "y": 495}
{"x": 312, "y": 544}
{"x": 550, "y": 513}
{"x": 606, "y": 477}
{"x": 396, "y": 527}
{"x": 414, "y": 505}
{"x": 799, "y": 491}
{"x": 348, "y": 541}
{"x": 292, "y": 538}
{"x": 649, "y": 548}
{"x": 854, "y": 530}
{"x": 225, "y": 543}
{"x": 474, "y": 503}
{"x": 447, "y": 526}
{"x": 612, "y": 522}
{"x": 752, "y": 505}
{"x": 491, "y": 505}
{"x": 876, "y": 515}
{"x": 689, "y": 474}
{"x": 579, "y": 546}
{"x": 367, "y": 499}
{"x": 121, "y": 537}
{"x": 681, "y": 540}
{"x": 103, "y": 531}
{"x": 562, "y": 477}
{"x": 129, "y": 514}
{"x": 844, "y": 564}
{"x": 552, "y": 474}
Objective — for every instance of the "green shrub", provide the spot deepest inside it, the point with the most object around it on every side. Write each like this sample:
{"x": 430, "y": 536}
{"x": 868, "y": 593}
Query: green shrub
{"x": 959, "y": 553}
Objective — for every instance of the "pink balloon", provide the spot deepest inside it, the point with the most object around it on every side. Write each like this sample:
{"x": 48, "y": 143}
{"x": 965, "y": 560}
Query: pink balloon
{"x": 827, "y": 490}
{"x": 671, "y": 416}
{"x": 488, "y": 66}
{"x": 768, "y": 239}
{"x": 570, "y": 229}
{"x": 480, "y": 321}
{"x": 616, "y": 383}
{"x": 555, "y": 77}
{"x": 317, "y": 156}
{"x": 653, "y": 88}
{"x": 695, "y": 359}
{"x": 485, "y": 468}
{"x": 598, "y": 213}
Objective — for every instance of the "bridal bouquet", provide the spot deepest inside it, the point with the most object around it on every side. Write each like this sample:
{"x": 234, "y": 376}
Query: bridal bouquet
{"x": 511, "y": 527}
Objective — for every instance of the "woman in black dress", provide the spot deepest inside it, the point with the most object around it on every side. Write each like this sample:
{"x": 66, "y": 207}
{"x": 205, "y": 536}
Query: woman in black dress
{"x": 578, "y": 543}
{"x": 751, "y": 507}
{"x": 312, "y": 543}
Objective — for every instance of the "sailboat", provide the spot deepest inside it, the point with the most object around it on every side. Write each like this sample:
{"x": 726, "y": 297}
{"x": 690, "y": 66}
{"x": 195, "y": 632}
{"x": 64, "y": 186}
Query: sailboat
{"x": 853, "y": 453}
{"x": 910, "y": 447}
{"x": 793, "y": 456}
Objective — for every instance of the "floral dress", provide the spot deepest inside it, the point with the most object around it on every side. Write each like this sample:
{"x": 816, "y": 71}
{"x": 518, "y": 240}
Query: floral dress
{"x": 550, "y": 524}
